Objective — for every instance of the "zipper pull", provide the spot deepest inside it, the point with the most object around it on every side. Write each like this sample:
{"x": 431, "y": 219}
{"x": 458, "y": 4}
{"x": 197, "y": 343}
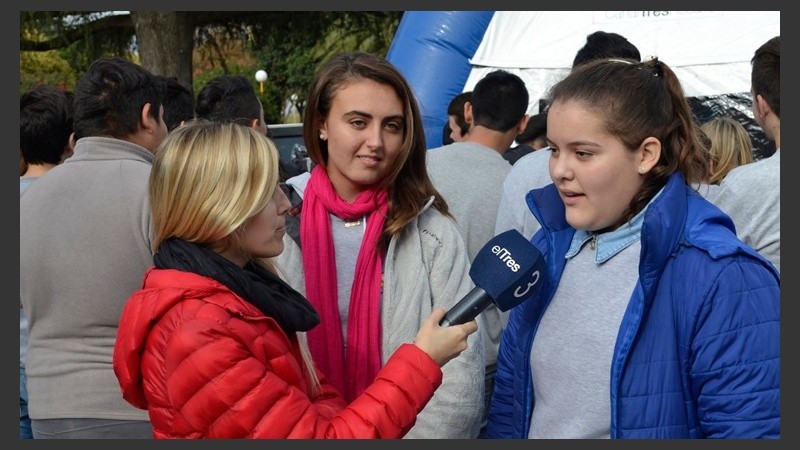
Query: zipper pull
{"x": 593, "y": 242}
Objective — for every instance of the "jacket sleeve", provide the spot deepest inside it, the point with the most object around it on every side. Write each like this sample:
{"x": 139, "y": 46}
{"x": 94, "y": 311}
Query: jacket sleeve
{"x": 221, "y": 389}
{"x": 456, "y": 410}
{"x": 735, "y": 364}
{"x": 388, "y": 408}
{"x": 500, "y": 423}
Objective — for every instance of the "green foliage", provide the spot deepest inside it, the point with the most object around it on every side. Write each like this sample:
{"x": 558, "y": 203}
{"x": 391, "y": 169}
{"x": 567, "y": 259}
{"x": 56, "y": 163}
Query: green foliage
{"x": 64, "y": 44}
{"x": 45, "y": 68}
{"x": 292, "y": 53}
{"x": 368, "y": 32}
{"x": 289, "y": 45}
{"x": 79, "y": 36}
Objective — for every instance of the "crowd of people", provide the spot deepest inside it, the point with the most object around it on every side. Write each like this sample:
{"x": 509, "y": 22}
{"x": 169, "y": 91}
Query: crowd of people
{"x": 178, "y": 281}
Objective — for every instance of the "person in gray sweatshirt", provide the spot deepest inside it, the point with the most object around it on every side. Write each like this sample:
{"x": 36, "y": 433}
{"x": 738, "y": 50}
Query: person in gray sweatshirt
{"x": 85, "y": 235}
{"x": 469, "y": 175}
{"x": 45, "y": 140}
{"x": 751, "y": 194}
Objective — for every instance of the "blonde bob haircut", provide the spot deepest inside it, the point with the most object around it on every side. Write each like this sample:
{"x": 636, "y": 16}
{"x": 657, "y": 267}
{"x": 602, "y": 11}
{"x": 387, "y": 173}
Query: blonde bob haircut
{"x": 208, "y": 179}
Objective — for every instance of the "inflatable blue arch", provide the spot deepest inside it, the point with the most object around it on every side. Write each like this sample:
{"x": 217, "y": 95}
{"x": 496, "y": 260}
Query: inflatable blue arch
{"x": 432, "y": 50}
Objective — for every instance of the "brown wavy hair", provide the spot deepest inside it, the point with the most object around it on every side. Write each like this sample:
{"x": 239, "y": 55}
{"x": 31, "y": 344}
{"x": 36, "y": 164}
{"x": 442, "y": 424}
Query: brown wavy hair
{"x": 637, "y": 100}
{"x": 408, "y": 184}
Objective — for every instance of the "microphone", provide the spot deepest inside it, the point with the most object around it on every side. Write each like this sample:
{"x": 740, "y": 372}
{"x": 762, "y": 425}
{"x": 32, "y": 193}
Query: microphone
{"x": 506, "y": 272}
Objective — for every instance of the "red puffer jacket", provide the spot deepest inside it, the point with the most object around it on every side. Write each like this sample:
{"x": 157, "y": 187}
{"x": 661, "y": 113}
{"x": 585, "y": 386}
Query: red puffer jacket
{"x": 207, "y": 364}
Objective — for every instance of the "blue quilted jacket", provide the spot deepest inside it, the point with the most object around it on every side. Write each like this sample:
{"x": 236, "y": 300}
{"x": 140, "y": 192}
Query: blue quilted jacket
{"x": 698, "y": 350}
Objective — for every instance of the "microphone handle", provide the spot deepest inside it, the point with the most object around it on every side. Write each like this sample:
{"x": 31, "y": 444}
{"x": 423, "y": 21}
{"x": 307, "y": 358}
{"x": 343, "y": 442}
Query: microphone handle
{"x": 467, "y": 308}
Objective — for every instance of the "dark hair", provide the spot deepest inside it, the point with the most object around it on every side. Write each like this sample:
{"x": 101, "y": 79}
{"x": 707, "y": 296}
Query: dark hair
{"x": 110, "y": 96}
{"x": 456, "y": 108}
{"x": 408, "y": 184}
{"x": 499, "y": 101}
{"x": 446, "y": 139}
{"x": 601, "y": 44}
{"x": 45, "y": 124}
{"x": 178, "y": 102}
{"x": 537, "y": 127}
{"x": 766, "y": 75}
{"x": 636, "y": 101}
{"x": 229, "y": 98}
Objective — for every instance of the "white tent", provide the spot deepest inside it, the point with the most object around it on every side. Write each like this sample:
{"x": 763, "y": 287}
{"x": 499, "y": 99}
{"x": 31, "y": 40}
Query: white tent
{"x": 443, "y": 53}
{"x": 710, "y": 51}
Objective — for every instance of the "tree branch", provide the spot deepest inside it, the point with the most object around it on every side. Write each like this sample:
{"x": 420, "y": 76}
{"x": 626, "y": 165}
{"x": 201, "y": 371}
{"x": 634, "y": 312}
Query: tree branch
{"x": 76, "y": 34}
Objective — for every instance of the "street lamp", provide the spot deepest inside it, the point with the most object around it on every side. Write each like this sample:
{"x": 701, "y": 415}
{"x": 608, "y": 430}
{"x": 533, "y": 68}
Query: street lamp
{"x": 261, "y": 77}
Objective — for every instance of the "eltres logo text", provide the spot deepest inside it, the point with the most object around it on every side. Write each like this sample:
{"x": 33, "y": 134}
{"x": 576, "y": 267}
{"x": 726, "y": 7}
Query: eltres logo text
{"x": 506, "y": 257}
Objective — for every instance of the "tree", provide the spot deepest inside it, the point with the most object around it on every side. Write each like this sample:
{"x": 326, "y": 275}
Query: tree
{"x": 162, "y": 41}
{"x": 67, "y": 42}
{"x": 289, "y": 45}
{"x": 165, "y": 56}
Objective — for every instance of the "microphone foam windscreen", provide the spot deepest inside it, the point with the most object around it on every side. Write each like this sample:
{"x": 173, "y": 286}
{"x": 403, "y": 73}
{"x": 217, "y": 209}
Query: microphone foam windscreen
{"x": 509, "y": 268}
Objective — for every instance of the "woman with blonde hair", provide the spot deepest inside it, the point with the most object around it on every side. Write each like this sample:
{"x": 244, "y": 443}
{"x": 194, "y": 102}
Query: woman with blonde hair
{"x": 730, "y": 146}
{"x": 212, "y": 344}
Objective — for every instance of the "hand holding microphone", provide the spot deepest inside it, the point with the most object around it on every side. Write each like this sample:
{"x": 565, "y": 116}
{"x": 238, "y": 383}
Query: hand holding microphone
{"x": 443, "y": 343}
{"x": 506, "y": 272}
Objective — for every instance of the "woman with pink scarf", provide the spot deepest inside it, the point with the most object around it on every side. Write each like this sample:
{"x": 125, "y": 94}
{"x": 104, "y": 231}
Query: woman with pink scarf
{"x": 373, "y": 246}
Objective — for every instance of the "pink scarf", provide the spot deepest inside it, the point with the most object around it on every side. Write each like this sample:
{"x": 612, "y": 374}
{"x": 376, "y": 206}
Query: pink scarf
{"x": 350, "y": 375}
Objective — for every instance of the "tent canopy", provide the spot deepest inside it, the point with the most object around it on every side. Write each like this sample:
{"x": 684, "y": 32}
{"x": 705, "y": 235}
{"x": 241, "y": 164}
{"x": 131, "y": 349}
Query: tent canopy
{"x": 443, "y": 53}
{"x": 710, "y": 51}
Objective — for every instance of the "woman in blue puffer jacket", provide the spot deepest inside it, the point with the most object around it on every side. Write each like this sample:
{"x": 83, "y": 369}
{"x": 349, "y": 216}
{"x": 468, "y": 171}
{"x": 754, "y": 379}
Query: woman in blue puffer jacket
{"x": 654, "y": 320}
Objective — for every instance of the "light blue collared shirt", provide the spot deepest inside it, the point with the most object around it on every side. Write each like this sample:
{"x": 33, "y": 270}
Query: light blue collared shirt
{"x": 610, "y": 243}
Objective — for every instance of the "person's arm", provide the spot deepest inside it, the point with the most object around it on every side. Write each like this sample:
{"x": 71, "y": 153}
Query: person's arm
{"x": 456, "y": 410}
{"x": 735, "y": 354}
{"x": 222, "y": 389}
{"x": 529, "y": 172}
{"x": 506, "y": 217}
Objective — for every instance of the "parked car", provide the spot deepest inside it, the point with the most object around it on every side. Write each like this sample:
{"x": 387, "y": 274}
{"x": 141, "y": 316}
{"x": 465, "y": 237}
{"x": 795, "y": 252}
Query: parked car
{"x": 289, "y": 139}
{"x": 286, "y": 135}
